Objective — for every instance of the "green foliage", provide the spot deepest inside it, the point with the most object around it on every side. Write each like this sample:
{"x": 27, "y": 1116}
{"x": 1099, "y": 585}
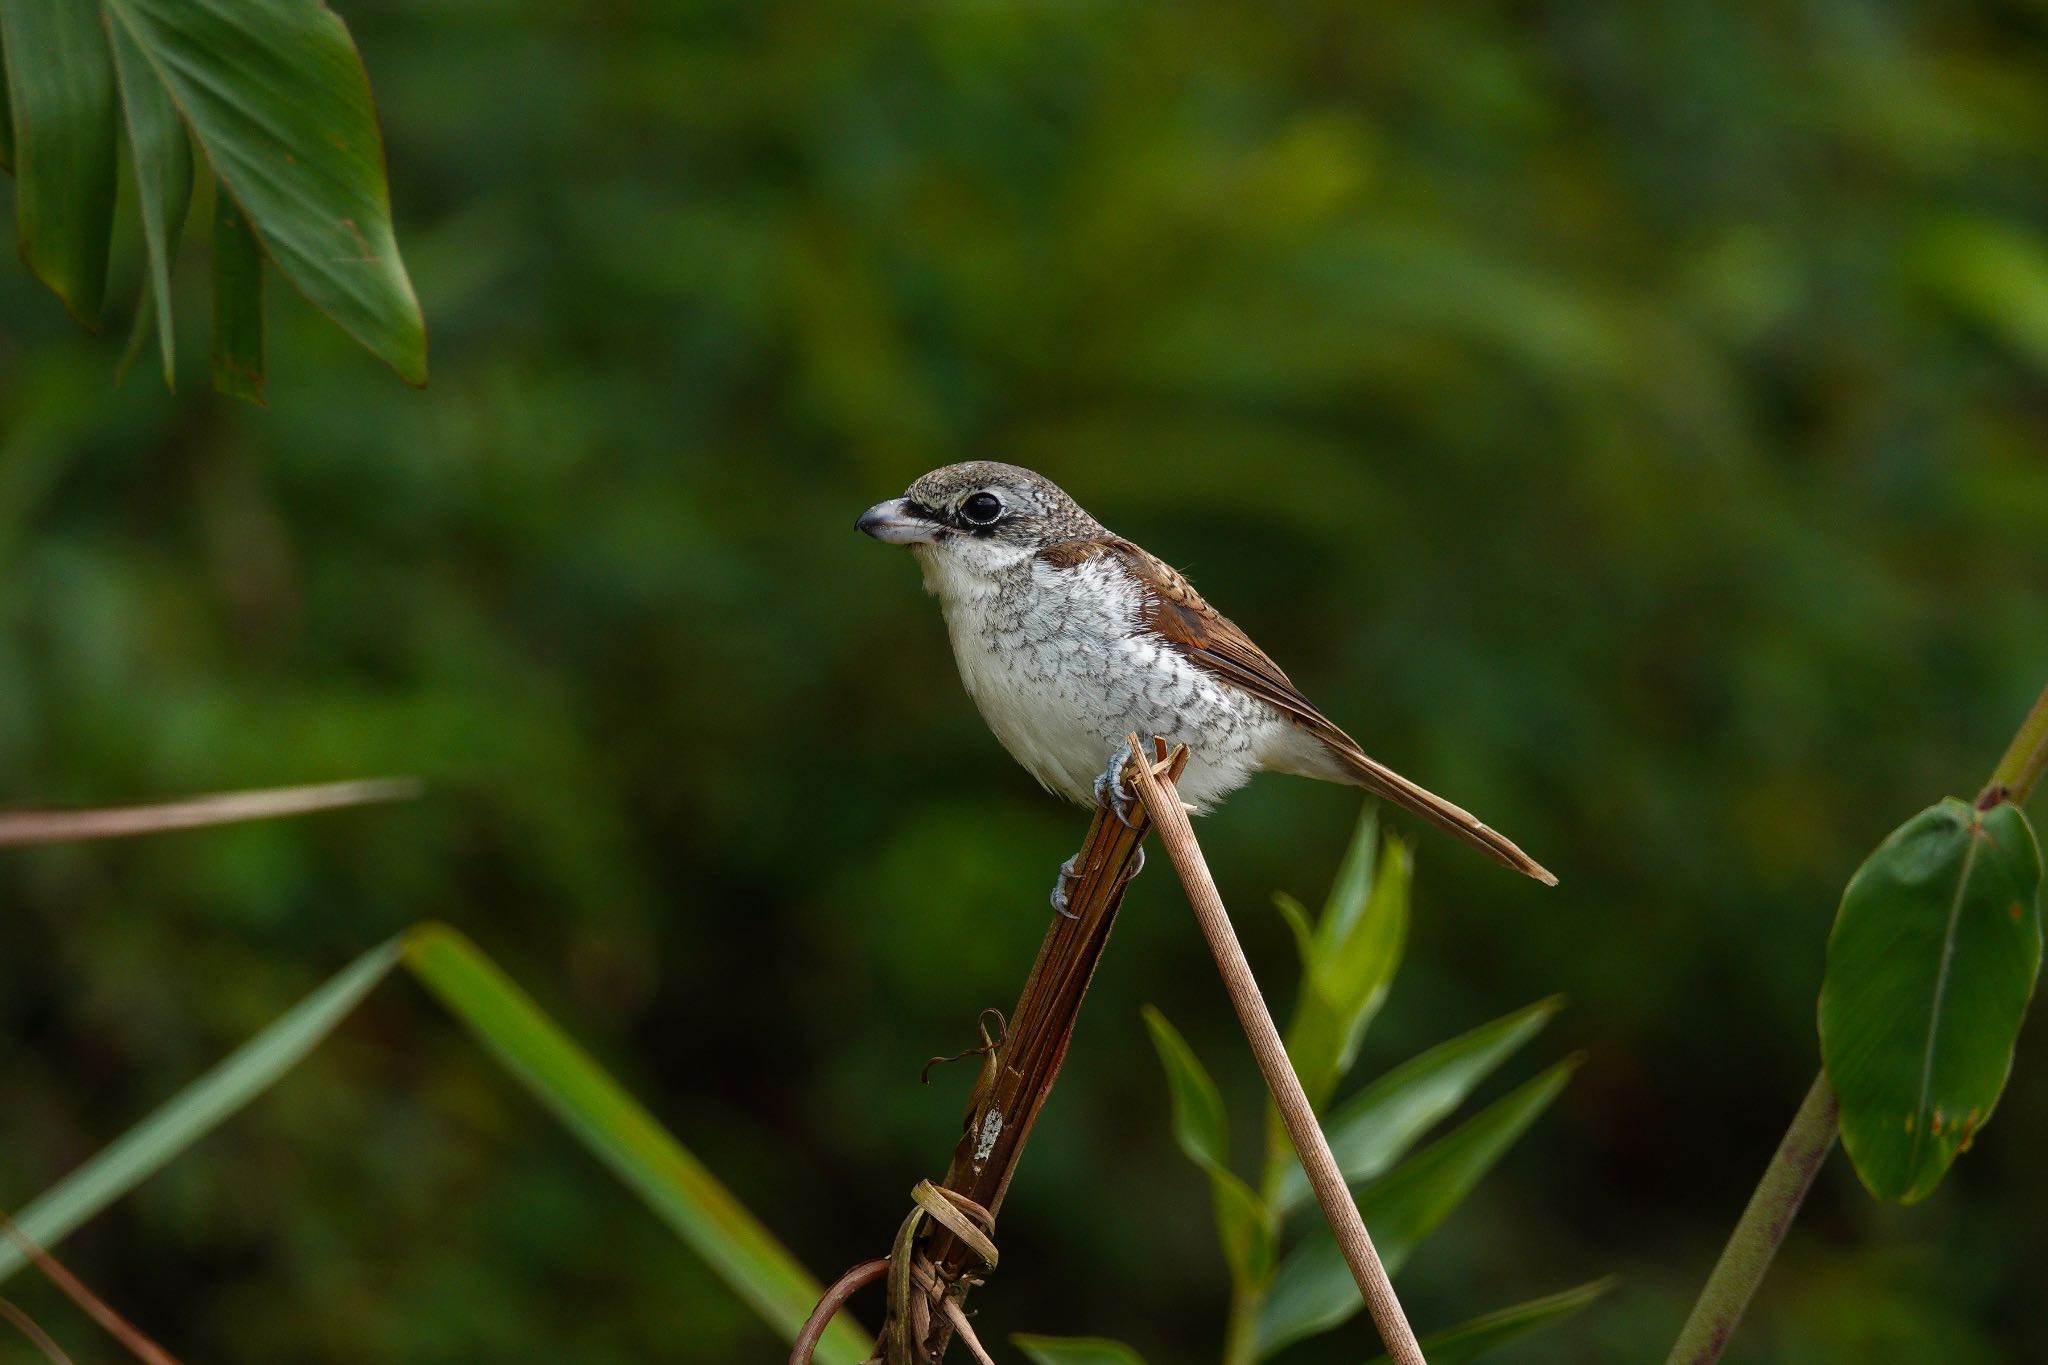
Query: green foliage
{"x": 276, "y": 98}
{"x": 1349, "y": 956}
{"x": 615, "y": 1127}
{"x": 1933, "y": 959}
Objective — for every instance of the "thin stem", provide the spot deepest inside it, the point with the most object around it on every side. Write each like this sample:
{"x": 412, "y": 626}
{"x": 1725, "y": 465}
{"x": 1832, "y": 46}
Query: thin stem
{"x": 843, "y": 1288}
{"x": 1762, "y": 1227}
{"x": 1162, "y": 800}
{"x": 116, "y": 822}
{"x": 2025, "y": 758}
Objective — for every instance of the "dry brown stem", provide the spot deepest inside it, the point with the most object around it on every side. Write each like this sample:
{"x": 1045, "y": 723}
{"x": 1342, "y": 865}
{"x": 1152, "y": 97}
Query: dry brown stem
{"x": 1162, "y": 801}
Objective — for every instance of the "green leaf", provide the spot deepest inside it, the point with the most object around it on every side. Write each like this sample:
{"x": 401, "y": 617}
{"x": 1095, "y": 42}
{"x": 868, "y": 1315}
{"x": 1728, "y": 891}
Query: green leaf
{"x": 1243, "y": 1224}
{"x": 1930, "y": 967}
{"x": 1076, "y": 1351}
{"x": 277, "y": 97}
{"x": 1374, "y": 1128}
{"x": 162, "y": 157}
{"x": 1314, "y": 1291}
{"x": 60, "y": 89}
{"x": 238, "y": 366}
{"x": 512, "y": 1029}
{"x": 1358, "y": 944}
{"x": 1468, "y": 1341}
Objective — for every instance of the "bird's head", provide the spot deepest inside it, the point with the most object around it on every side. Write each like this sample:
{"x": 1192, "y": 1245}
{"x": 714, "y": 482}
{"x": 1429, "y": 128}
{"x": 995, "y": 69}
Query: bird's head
{"x": 974, "y": 521}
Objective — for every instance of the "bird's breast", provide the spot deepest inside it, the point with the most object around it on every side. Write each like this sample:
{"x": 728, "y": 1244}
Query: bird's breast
{"x": 1061, "y": 667}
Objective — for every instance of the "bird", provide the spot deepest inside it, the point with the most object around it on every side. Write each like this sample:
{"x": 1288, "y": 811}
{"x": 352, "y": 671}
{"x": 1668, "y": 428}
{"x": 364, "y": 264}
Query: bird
{"x": 1070, "y": 638}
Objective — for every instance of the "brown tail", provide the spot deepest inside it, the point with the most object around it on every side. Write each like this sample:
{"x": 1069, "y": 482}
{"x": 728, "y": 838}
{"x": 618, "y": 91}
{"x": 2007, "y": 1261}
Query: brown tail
{"x": 1381, "y": 780}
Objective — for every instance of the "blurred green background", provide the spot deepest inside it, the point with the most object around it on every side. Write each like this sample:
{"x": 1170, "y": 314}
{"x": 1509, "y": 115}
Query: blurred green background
{"x": 1626, "y": 420}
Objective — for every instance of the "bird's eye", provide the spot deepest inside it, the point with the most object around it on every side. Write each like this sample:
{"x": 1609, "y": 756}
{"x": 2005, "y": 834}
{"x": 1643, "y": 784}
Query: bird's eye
{"x": 982, "y": 509}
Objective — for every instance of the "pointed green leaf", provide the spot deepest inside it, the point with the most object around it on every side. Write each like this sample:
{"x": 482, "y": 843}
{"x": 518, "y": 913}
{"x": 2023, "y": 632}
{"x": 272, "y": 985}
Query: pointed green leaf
{"x": 277, "y": 97}
{"x": 1199, "y": 1125}
{"x": 238, "y": 366}
{"x": 1374, "y": 1128}
{"x": 1296, "y": 915}
{"x": 1243, "y": 1224}
{"x": 1076, "y": 1351}
{"x": 1314, "y": 1291}
{"x": 60, "y": 90}
{"x": 665, "y": 1176}
{"x": 162, "y": 159}
{"x": 1930, "y": 967}
{"x": 1358, "y": 946}
{"x": 1468, "y": 1341}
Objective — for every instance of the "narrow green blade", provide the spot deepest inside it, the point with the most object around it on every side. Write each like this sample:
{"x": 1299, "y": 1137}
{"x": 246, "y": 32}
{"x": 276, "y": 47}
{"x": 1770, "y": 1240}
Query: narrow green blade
{"x": 624, "y": 1136}
{"x": 1468, "y": 1341}
{"x": 199, "y": 1108}
{"x": 60, "y": 90}
{"x": 237, "y": 303}
{"x": 1243, "y": 1225}
{"x": 162, "y": 158}
{"x": 277, "y": 97}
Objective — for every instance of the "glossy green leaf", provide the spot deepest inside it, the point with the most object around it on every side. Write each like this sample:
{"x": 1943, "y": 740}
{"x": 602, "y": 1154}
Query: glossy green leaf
{"x": 1931, "y": 964}
{"x": 1468, "y": 1341}
{"x": 1374, "y": 1128}
{"x": 1243, "y": 1224}
{"x": 1314, "y": 1291}
{"x": 276, "y": 96}
{"x": 1357, "y": 947}
{"x": 161, "y": 155}
{"x": 238, "y": 364}
{"x": 666, "y": 1177}
{"x": 1076, "y": 1351}
{"x": 60, "y": 91}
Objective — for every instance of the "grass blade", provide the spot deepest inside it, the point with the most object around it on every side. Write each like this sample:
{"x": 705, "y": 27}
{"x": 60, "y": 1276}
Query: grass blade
{"x": 622, "y": 1134}
{"x": 1076, "y": 1351}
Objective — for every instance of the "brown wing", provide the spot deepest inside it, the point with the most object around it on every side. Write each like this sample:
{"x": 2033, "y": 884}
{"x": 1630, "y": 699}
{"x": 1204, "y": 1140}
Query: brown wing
{"x": 1213, "y": 641}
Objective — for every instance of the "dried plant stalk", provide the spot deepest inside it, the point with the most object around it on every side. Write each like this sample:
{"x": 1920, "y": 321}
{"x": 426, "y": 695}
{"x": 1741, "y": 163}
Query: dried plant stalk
{"x": 115, "y": 822}
{"x": 1162, "y": 801}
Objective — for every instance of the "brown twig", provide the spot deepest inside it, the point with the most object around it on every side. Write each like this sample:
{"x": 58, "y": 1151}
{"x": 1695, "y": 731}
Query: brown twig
{"x": 127, "y": 1333}
{"x": 945, "y": 1246}
{"x": 1162, "y": 800}
{"x": 114, "y": 822}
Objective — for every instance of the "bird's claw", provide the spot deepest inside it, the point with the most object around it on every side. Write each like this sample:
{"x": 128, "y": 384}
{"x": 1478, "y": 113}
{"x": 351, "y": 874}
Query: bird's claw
{"x": 1062, "y": 887}
{"x": 1113, "y": 793}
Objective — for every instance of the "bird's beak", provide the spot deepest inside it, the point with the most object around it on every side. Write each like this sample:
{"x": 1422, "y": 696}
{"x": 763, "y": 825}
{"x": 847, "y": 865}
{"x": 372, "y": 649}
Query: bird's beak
{"x": 896, "y": 522}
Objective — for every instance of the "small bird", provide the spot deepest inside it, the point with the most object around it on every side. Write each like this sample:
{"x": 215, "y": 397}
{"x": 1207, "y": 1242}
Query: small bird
{"x": 1070, "y": 638}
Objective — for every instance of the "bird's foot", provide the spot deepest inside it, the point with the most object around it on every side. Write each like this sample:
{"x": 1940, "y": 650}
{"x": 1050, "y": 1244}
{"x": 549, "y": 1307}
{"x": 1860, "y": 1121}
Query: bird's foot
{"x": 1070, "y": 876}
{"x": 1113, "y": 793}
{"x": 1063, "y": 887}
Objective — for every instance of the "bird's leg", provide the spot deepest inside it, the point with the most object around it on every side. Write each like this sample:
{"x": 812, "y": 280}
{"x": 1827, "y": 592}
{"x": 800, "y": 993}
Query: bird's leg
{"x": 1114, "y": 794}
